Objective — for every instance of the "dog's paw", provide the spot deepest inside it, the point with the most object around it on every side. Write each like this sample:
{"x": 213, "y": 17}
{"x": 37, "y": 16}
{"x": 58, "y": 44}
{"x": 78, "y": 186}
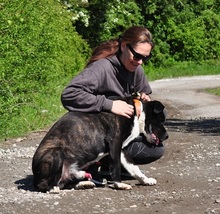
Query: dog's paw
{"x": 84, "y": 185}
{"x": 55, "y": 190}
{"x": 150, "y": 181}
{"x": 120, "y": 186}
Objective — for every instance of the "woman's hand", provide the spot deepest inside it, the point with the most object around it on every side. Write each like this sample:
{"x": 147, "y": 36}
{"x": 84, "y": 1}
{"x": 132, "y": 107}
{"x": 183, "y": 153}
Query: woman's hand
{"x": 145, "y": 97}
{"x": 120, "y": 107}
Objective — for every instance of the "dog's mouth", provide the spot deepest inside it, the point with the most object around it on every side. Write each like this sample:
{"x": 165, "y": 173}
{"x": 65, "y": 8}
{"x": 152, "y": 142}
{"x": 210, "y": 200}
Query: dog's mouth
{"x": 154, "y": 138}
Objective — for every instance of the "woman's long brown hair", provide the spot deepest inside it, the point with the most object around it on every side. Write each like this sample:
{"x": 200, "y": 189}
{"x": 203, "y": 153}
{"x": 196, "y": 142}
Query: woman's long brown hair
{"x": 132, "y": 35}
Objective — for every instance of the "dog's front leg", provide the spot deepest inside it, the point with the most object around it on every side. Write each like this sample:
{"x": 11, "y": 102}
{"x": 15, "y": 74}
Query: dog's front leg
{"x": 136, "y": 172}
{"x": 115, "y": 168}
{"x": 116, "y": 177}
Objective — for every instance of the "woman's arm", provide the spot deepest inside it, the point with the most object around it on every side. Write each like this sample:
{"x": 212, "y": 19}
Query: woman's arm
{"x": 80, "y": 94}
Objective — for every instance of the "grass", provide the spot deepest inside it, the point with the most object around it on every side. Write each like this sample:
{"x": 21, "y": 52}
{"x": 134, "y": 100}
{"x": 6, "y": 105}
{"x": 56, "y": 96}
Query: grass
{"x": 215, "y": 91}
{"x": 46, "y": 109}
{"x": 187, "y": 69}
{"x": 184, "y": 69}
{"x": 39, "y": 114}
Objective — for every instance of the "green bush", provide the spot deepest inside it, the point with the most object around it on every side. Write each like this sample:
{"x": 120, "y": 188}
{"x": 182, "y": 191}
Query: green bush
{"x": 40, "y": 52}
{"x": 41, "y": 49}
{"x": 182, "y": 30}
{"x": 117, "y": 16}
{"x": 100, "y": 20}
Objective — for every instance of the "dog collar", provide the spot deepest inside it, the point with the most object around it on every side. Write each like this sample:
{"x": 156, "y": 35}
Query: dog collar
{"x": 137, "y": 105}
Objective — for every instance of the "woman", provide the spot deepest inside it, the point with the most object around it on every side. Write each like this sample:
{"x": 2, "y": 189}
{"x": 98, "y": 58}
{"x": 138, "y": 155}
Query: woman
{"x": 114, "y": 69}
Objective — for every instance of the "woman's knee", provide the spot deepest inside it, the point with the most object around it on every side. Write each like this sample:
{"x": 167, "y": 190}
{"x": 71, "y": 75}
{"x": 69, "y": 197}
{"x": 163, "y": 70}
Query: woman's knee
{"x": 144, "y": 152}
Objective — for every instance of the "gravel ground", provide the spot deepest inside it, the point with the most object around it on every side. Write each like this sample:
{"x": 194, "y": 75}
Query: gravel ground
{"x": 188, "y": 175}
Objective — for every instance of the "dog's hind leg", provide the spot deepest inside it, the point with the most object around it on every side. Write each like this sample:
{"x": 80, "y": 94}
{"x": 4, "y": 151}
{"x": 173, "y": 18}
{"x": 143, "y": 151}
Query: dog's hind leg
{"x": 78, "y": 174}
{"x": 70, "y": 172}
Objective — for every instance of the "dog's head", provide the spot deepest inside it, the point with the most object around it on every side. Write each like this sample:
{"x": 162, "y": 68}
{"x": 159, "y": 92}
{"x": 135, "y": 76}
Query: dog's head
{"x": 154, "y": 117}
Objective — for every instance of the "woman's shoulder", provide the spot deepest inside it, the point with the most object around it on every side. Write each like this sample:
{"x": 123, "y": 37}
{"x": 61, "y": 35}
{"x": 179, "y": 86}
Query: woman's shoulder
{"x": 104, "y": 63}
{"x": 101, "y": 63}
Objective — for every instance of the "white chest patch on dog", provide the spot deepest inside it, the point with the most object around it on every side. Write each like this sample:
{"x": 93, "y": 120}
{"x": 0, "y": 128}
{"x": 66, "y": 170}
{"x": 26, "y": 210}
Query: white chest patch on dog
{"x": 139, "y": 125}
{"x": 141, "y": 120}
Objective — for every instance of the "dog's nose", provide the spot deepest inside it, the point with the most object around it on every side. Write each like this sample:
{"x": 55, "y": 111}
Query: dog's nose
{"x": 166, "y": 136}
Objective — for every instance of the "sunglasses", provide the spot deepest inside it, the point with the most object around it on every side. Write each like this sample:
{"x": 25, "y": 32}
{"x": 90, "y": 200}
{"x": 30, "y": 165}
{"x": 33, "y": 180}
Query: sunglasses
{"x": 137, "y": 56}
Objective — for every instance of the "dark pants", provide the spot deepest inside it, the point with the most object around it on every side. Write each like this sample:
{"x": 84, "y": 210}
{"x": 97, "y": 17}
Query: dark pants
{"x": 143, "y": 152}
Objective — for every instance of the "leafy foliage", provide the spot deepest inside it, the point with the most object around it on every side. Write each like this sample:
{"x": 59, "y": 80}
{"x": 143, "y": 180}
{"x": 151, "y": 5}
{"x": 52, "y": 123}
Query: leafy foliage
{"x": 101, "y": 20}
{"x": 183, "y": 30}
{"x": 118, "y": 15}
{"x": 40, "y": 50}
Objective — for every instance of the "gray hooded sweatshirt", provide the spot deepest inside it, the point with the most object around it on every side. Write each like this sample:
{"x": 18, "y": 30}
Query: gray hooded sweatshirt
{"x": 91, "y": 90}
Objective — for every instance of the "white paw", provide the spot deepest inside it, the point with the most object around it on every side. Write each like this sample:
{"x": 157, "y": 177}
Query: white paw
{"x": 150, "y": 181}
{"x": 121, "y": 186}
{"x": 84, "y": 185}
{"x": 55, "y": 190}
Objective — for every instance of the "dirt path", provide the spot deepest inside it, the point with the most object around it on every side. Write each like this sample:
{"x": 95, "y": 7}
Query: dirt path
{"x": 188, "y": 175}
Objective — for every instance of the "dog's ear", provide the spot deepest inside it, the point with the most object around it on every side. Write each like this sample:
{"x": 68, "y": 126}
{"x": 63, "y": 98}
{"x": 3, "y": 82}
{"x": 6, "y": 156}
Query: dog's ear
{"x": 159, "y": 107}
{"x": 160, "y": 111}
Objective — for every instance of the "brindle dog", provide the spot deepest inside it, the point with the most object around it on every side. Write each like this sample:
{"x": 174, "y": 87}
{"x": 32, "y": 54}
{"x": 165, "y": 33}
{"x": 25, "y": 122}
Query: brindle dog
{"x": 79, "y": 139}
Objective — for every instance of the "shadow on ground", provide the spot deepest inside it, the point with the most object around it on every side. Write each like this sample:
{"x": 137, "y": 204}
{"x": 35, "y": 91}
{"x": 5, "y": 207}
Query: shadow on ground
{"x": 26, "y": 183}
{"x": 202, "y": 126}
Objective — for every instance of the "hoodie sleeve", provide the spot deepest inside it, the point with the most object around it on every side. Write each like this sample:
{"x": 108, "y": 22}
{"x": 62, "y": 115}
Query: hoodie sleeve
{"x": 80, "y": 94}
